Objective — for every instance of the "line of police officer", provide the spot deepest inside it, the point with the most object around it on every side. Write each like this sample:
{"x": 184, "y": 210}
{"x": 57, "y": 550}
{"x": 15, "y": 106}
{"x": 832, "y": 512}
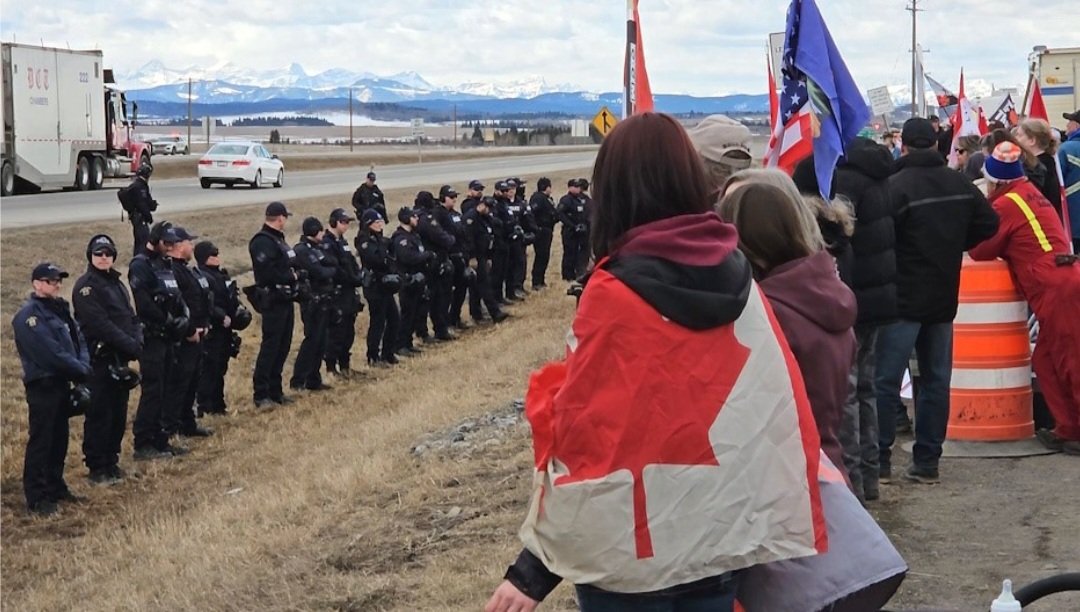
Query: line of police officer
{"x": 181, "y": 330}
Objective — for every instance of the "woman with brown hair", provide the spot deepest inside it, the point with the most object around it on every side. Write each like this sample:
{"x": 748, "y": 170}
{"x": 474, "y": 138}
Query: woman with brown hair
{"x": 1035, "y": 137}
{"x": 674, "y": 446}
{"x": 816, "y": 310}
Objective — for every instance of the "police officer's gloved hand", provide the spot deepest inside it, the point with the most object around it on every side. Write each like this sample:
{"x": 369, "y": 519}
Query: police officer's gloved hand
{"x": 530, "y": 238}
{"x": 419, "y": 278}
{"x": 177, "y": 326}
{"x": 581, "y": 228}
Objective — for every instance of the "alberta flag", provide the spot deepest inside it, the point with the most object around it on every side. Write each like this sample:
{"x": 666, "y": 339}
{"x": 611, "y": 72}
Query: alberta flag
{"x": 816, "y": 85}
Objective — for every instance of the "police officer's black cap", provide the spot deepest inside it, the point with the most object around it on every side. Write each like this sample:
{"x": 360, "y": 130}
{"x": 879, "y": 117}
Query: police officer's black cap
{"x": 501, "y": 186}
{"x": 447, "y": 191}
{"x": 371, "y": 175}
{"x": 476, "y": 185}
{"x": 543, "y": 183}
{"x": 511, "y": 183}
{"x": 101, "y": 243}
{"x": 311, "y": 226}
{"x": 573, "y": 183}
{"x": 277, "y": 209}
{"x": 370, "y": 216}
{"x": 205, "y": 250}
{"x": 405, "y": 214}
{"x": 339, "y": 215}
{"x": 47, "y": 270}
{"x": 174, "y": 234}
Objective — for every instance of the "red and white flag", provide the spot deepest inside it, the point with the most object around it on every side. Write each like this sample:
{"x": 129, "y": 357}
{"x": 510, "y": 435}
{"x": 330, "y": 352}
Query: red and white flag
{"x": 1036, "y": 107}
{"x": 965, "y": 121}
{"x": 637, "y": 94}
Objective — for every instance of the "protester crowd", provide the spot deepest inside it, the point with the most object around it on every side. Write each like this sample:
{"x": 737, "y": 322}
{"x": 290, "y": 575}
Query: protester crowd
{"x": 180, "y": 312}
{"x": 859, "y": 276}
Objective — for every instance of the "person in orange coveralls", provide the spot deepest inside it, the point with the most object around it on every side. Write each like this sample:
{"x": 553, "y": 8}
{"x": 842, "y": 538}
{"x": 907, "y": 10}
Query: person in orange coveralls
{"x": 1032, "y": 241}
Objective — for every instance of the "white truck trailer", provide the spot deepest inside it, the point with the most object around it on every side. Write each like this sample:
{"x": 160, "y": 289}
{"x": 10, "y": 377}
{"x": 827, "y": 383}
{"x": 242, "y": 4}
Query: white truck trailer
{"x": 64, "y": 126}
{"x": 1058, "y": 75}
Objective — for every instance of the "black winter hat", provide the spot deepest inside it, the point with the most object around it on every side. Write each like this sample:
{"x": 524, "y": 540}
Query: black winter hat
{"x": 424, "y": 199}
{"x": 918, "y": 133}
{"x": 311, "y": 226}
{"x": 405, "y": 214}
{"x": 370, "y": 216}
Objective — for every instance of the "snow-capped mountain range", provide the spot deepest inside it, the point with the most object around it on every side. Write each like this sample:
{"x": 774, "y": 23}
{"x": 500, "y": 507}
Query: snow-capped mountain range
{"x": 404, "y": 85}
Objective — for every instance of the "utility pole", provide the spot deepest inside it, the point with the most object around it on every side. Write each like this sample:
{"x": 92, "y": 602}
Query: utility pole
{"x": 914, "y": 10}
{"x": 455, "y": 126}
{"x": 350, "y": 121}
{"x": 189, "y": 113}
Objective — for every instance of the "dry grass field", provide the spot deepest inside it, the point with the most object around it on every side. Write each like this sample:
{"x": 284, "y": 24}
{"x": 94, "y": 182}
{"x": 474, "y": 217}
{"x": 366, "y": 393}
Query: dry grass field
{"x": 322, "y": 505}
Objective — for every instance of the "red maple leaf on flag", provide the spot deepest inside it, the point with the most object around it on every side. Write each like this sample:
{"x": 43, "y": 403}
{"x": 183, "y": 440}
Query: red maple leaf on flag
{"x": 642, "y": 423}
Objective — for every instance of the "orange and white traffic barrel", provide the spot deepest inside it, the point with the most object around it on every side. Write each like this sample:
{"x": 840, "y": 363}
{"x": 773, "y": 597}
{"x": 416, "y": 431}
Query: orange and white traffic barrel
{"x": 990, "y": 395}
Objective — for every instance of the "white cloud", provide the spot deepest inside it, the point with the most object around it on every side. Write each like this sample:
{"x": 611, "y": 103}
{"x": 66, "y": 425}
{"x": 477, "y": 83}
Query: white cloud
{"x": 700, "y": 47}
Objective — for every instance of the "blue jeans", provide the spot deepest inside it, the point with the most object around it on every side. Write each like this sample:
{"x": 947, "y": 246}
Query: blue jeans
{"x": 715, "y": 597}
{"x": 932, "y": 343}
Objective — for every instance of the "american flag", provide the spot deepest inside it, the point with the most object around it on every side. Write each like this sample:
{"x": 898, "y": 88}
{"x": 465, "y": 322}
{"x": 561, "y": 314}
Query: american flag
{"x": 792, "y": 137}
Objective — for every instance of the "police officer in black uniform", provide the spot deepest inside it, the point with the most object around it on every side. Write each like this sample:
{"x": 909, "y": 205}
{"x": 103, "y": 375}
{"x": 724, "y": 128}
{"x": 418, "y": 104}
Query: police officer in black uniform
{"x": 381, "y": 282}
{"x": 227, "y": 316}
{"x": 195, "y": 288}
{"x": 453, "y": 223}
{"x": 440, "y": 272}
{"x": 369, "y": 196}
{"x": 574, "y": 217}
{"x": 346, "y": 304}
{"x": 503, "y": 226}
{"x": 542, "y": 208}
{"x": 472, "y": 196}
{"x": 521, "y": 235}
{"x": 313, "y": 258}
{"x": 54, "y": 357}
{"x": 413, "y": 261}
{"x": 275, "y": 290}
{"x": 480, "y": 231}
{"x": 140, "y": 205}
{"x": 114, "y": 338}
{"x": 164, "y": 317}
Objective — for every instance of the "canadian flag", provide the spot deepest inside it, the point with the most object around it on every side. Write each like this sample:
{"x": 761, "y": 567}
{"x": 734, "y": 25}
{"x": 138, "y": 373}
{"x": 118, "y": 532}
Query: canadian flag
{"x": 637, "y": 94}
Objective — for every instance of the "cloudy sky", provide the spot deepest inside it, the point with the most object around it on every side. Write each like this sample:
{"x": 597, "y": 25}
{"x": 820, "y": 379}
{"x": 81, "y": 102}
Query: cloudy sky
{"x": 699, "y": 47}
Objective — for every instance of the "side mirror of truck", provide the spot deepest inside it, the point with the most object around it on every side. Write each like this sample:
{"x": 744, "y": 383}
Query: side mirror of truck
{"x": 134, "y": 113}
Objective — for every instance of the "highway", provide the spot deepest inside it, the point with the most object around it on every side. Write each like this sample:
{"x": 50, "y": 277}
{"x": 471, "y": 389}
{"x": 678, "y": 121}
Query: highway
{"x": 177, "y": 195}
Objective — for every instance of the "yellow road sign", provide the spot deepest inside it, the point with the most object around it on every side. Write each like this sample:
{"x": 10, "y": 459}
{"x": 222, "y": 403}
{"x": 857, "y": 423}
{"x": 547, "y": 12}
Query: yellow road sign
{"x": 604, "y": 121}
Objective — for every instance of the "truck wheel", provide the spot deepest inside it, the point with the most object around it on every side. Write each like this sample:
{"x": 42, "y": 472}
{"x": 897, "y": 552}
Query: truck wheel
{"x": 82, "y": 174}
{"x": 97, "y": 172}
{"x": 145, "y": 160}
{"x": 7, "y": 179}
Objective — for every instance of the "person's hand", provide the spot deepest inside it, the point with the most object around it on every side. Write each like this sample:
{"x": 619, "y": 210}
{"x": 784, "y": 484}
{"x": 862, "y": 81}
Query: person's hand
{"x": 507, "y": 598}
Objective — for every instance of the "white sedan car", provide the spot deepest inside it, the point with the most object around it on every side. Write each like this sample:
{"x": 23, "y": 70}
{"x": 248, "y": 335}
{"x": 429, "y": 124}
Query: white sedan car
{"x": 250, "y": 163}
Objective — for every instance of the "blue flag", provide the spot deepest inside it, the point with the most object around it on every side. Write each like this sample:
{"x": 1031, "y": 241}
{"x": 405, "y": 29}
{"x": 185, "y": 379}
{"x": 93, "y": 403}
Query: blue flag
{"x": 836, "y": 99}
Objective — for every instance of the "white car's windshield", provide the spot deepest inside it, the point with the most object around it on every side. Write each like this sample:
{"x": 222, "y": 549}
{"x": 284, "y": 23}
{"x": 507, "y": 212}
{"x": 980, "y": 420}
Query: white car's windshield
{"x": 226, "y": 149}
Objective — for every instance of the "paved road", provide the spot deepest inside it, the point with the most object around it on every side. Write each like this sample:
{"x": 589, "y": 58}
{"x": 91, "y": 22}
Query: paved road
{"x": 186, "y": 195}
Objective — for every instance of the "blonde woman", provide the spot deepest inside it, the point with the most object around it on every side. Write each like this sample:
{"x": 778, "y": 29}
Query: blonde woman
{"x": 1035, "y": 136}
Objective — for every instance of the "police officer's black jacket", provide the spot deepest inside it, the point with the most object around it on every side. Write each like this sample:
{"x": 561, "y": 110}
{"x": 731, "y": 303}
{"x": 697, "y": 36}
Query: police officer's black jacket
{"x": 347, "y": 275}
{"x": 321, "y": 267}
{"x": 369, "y": 196}
{"x": 155, "y": 290}
{"x": 49, "y": 341}
{"x": 143, "y": 201}
{"x": 225, "y": 297}
{"x": 104, "y": 312}
{"x": 521, "y": 215}
{"x": 434, "y": 237}
{"x": 375, "y": 253}
{"x": 480, "y": 233}
{"x": 453, "y": 223}
{"x": 543, "y": 212}
{"x": 409, "y": 251}
{"x": 196, "y": 291}
{"x": 469, "y": 203}
{"x": 572, "y": 212}
{"x": 271, "y": 258}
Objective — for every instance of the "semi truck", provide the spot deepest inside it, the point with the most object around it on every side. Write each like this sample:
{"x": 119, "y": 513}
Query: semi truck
{"x": 65, "y": 123}
{"x": 1058, "y": 73}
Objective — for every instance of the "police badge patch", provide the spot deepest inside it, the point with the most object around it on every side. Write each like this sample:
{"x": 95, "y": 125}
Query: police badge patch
{"x": 31, "y": 321}
{"x": 85, "y": 291}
